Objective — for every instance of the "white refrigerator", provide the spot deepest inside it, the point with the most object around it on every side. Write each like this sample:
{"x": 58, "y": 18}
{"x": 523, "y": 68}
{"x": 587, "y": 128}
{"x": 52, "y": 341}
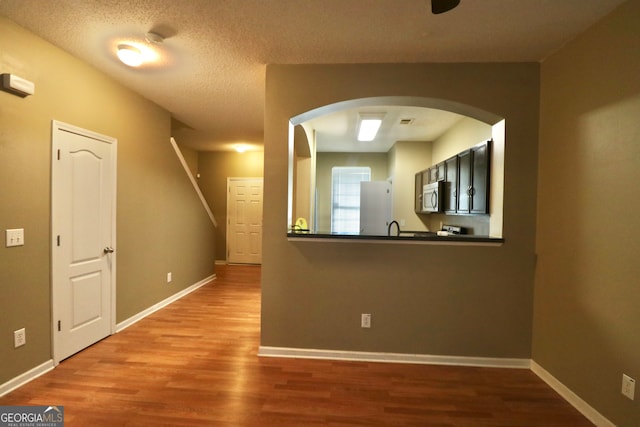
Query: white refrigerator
{"x": 375, "y": 207}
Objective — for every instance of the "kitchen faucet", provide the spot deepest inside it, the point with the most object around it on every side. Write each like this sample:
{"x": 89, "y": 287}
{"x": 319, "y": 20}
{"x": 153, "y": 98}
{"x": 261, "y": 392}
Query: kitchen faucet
{"x": 397, "y": 228}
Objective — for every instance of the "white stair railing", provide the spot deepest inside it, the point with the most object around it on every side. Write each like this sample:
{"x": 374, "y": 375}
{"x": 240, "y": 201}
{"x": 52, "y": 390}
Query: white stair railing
{"x": 193, "y": 181}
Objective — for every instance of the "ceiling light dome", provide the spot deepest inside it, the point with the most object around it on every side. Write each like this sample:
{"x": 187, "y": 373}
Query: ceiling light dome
{"x": 130, "y": 55}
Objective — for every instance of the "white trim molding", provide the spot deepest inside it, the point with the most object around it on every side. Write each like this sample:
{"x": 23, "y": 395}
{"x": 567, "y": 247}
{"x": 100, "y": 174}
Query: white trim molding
{"x": 576, "y": 401}
{"x": 133, "y": 319}
{"x": 362, "y": 356}
{"x": 196, "y": 187}
{"x": 25, "y": 377}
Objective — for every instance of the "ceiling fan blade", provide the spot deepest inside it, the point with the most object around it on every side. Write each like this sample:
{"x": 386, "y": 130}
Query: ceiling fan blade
{"x": 442, "y": 6}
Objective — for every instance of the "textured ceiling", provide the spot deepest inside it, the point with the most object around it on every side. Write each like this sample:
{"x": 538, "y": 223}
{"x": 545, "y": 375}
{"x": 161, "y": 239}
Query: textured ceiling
{"x": 336, "y": 131}
{"x": 211, "y": 70}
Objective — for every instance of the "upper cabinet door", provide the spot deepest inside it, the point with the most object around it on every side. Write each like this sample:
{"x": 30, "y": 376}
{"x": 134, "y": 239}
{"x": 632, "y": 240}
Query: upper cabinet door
{"x": 464, "y": 182}
{"x": 418, "y": 193}
{"x": 436, "y": 173}
{"x": 473, "y": 179}
{"x": 451, "y": 185}
{"x": 481, "y": 155}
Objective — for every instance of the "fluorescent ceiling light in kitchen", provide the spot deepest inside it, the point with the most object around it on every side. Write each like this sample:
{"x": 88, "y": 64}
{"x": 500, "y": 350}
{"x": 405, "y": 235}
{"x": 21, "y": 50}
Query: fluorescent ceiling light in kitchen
{"x": 368, "y": 125}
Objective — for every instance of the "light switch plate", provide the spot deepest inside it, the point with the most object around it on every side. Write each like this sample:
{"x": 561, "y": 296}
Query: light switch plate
{"x": 15, "y": 237}
{"x": 628, "y": 386}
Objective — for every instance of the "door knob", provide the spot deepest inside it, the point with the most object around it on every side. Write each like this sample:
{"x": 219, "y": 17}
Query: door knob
{"x": 108, "y": 250}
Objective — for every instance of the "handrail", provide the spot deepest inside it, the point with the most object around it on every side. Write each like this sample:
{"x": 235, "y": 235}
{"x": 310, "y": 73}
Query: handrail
{"x": 193, "y": 181}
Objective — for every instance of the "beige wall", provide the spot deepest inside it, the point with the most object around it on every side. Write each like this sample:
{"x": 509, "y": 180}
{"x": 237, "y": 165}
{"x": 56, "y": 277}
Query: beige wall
{"x": 191, "y": 157}
{"x": 448, "y": 300}
{"x": 587, "y": 293}
{"x": 304, "y": 182}
{"x": 215, "y": 168}
{"x": 161, "y": 226}
{"x": 302, "y": 190}
{"x": 406, "y": 159}
{"x": 465, "y": 134}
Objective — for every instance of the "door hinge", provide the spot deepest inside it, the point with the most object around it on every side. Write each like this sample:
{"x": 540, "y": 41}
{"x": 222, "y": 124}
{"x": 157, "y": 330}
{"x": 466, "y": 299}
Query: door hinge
{"x": 59, "y": 326}
{"x": 58, "y": 240}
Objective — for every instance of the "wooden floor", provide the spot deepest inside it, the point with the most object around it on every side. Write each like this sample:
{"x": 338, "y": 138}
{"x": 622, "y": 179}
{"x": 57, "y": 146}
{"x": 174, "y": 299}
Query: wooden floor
{"x": 194, "y": 363}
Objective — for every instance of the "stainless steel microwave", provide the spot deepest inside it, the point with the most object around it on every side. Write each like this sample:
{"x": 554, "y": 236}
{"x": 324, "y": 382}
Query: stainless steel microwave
{"x": 432, "y": 197}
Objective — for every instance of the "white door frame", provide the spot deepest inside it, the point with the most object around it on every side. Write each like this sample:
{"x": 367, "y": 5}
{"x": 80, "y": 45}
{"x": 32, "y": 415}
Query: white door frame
{"x": 56, "y": 127}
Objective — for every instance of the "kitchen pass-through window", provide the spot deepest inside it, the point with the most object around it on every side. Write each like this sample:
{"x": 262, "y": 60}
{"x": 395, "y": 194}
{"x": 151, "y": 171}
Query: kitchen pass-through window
{"x": 345, "y": 198}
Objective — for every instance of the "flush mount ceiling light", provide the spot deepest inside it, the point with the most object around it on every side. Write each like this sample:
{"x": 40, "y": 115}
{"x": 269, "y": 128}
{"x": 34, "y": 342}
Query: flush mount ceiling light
{"x": 129, "y": 55}
{"x": 241, "y": 148}
{"x": 368, "y": 125}
{"x": 135, "y": 51}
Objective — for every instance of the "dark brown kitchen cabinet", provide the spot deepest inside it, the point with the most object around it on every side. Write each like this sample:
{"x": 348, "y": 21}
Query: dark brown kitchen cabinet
{"x": 464, "y": 182}
{"x": 425, "y": 176}
{"x": 480, "y": 178}
{"x": 451, "y": 185}
{"x": 418, "y": 194}
{"x": 473, "y": 179}
{"x": 436, "y": 173}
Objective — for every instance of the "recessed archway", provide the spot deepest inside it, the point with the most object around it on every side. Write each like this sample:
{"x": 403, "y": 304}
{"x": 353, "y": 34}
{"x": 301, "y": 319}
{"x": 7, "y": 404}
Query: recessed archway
{"x": 497, "y": 134}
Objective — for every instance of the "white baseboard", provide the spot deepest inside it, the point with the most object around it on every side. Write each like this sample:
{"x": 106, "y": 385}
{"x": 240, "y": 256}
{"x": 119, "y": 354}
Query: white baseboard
{"x": 24, "y": 378}
{"x": 133, "y": 319}
{"x": 585, "y": 409}
{"x": 573, "y": 399}
{"x": 362, "y": 356}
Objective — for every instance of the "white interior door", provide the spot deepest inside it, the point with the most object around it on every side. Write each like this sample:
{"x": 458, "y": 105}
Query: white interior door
{"x": 244, "y": 220}
{"x": 83, "y": 230}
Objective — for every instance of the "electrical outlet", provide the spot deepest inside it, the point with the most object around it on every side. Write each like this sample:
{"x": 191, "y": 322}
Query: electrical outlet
{"x": 169, "y": 277}
{"x": 628, "y": 386}
{"x": 365, "y": 320}
{"x": 19, "y": 337}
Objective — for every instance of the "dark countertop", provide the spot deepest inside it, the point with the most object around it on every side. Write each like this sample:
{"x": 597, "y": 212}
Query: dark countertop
{"x": 404, "y": 237}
